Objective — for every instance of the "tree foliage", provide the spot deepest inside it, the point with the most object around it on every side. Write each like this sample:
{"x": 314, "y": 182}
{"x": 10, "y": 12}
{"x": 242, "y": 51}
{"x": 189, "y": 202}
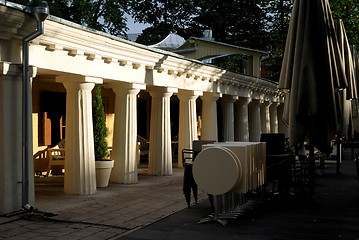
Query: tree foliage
{"x": 348, "y": 11}
{"x": 165, "y": 16}
{"x": 155, "y": 34}
{"x": 102, "y": 15}
{"x": 232, "y": 21}
{"x": 277, "y": 24}
{"x": 259, "y": 24}
{"x": 173, "y": 12}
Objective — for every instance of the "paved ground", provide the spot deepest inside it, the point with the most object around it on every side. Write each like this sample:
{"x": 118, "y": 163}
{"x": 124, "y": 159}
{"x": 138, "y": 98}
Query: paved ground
{"x": 155, "y": 209}
{"x": 334, "y": 215}
{"x": 108, "y": 214}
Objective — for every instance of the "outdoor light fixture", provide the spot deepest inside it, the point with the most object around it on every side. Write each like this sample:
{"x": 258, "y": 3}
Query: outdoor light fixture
{"x": 40, "y": 13}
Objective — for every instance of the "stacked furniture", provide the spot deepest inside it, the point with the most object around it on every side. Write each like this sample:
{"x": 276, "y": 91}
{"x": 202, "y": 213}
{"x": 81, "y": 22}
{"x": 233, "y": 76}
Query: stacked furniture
{"x": 228, "y": 169}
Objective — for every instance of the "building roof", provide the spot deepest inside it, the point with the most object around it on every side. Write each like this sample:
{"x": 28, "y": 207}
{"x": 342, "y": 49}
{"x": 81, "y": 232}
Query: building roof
{"x": 172, "y": 41}
{"x": 218, "y": 43}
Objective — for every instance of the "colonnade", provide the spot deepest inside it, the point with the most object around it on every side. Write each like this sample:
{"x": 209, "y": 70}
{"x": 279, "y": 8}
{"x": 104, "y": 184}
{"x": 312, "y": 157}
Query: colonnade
{"x": 244, "y": 119}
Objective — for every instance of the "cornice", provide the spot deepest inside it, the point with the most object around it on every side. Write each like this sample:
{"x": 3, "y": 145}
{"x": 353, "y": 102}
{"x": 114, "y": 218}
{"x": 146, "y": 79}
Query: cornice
{"x": 14, "y": 22}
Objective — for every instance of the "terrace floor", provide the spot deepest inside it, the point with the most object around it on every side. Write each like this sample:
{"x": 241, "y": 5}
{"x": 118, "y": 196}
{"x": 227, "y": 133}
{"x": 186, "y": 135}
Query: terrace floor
{"x": 155, "y": 208}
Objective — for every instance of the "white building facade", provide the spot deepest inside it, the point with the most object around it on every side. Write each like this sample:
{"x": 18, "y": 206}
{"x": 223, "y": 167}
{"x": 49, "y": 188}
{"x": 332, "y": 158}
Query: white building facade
{"x": 71, "y": 60}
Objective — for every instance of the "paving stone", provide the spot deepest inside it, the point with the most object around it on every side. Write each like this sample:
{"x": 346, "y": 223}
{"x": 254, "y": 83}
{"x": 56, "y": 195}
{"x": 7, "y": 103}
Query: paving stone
{"x": 90, "y": 217}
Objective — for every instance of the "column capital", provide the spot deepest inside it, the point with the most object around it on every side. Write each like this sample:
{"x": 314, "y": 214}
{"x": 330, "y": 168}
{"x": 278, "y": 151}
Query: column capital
{"x": 79, "y": 79}
{"x": 127, "y": 88}
{"x": 126, "y": 85}
{"x": 211, "y": 96}
{"x": 161, "y": 91}
{"x": 229, "y": 98}
{"x": 69, "y": 85}
{"x": 11, "y": 69}
{"x": 7, "y": 68}
{"x": 244, "y": 100}
{"x": 189, "y": 94}
{"x": 266, "y": 103}
{"x": 256, "y": 102}
{"x": 275, "y": 104}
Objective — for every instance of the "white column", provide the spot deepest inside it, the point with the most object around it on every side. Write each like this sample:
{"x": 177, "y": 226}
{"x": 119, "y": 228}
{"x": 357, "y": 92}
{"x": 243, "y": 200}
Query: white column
{"x": 187, "y": 121}
{"x": 124, "y": 148}
{"x": 228, "y": 116}
{"x": 273, "y": 118}
{"x": 209, "y": 116}
{"x": 282, "y": 127}
{"x": 80, "y": 176}
{"x": 265, "y": 117}
{"x": 11, "y": 164}
{"x": 241, "y": 119}
{"x": 254, "y": 121}
{"x": 160, "y": 157}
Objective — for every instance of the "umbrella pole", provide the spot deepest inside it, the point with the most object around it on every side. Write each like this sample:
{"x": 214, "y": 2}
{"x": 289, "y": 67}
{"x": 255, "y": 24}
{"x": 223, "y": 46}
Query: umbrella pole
{"x": 338, "y": 158}
{"x": 311, "y": 171}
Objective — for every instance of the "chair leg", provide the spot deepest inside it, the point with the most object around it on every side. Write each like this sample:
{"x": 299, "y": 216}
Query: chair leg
{"x": 48, "y": 170}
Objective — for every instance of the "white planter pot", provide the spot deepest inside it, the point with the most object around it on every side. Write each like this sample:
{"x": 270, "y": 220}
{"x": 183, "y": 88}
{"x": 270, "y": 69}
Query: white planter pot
{"x": 103, "y": 172}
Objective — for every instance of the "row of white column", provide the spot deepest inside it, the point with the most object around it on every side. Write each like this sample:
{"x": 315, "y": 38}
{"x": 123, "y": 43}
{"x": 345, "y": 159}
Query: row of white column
{"x": 80, "y": 169}
{"x": 252, "y": 118}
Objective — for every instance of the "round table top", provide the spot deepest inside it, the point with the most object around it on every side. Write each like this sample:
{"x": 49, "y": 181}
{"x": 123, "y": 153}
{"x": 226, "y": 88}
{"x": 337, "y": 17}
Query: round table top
{"x": 216, "y": 170}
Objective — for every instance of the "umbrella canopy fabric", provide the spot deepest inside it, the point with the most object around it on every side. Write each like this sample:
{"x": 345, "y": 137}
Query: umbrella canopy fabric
{"x": 350, "y": 92}
{"x": 355, "y": 105}
{"x": 312, "y": 72}
{"x": 346, "y": 55}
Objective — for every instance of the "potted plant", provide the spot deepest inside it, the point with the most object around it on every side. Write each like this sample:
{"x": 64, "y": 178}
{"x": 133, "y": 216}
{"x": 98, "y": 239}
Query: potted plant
{"x": 102, "y": 163}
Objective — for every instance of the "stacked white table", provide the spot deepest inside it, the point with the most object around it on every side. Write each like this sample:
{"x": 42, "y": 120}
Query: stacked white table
{"x": 226, "y": 168}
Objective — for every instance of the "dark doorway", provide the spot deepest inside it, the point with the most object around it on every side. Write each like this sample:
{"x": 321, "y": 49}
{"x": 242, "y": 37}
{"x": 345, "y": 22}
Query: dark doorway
{"x": 220, "y": 121}
{"x": 52, "y": 118}
{"x": 174, "y": 117}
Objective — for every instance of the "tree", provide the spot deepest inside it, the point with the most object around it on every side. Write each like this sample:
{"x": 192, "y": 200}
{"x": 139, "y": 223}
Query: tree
{"x": 232, "y": 21}
{"x": 102, "y": 15}
{"x": 173, "y": 12}
{"x": 277, "y": 23}
{"x": 99, "y": 126}
{"x": 164, "y": 16}
{"x": 348, "y": 11}
{"x": 155, "y": 34}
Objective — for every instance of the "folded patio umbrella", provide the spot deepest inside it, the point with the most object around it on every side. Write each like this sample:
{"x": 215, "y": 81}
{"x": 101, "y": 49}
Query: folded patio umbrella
{"x": 355, "y": 105}
{"x": 355, "y": 58}
{"x": 350, "y": 92}
{"x": 312, "y": 73}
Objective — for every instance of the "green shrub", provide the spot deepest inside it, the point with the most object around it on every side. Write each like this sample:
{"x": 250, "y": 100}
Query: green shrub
{"x": 99, "y": 126}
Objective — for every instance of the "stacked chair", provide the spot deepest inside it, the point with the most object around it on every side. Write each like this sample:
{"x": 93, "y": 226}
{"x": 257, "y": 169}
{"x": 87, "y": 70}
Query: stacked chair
{"x": 188, "y": 155}
{"x": 279, "y": 163}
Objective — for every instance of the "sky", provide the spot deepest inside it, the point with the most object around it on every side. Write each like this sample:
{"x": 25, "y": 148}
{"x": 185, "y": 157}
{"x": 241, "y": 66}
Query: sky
{"x": 134, "y": 27}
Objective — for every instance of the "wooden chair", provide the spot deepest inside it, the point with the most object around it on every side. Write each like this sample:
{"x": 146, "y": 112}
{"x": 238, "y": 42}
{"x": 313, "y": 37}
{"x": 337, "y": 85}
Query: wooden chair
{"x": 56, "y": 157}
{"x": 41, "y": 162}
{"x": 44, "y": 160}
{"x": 142, "y": 149}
